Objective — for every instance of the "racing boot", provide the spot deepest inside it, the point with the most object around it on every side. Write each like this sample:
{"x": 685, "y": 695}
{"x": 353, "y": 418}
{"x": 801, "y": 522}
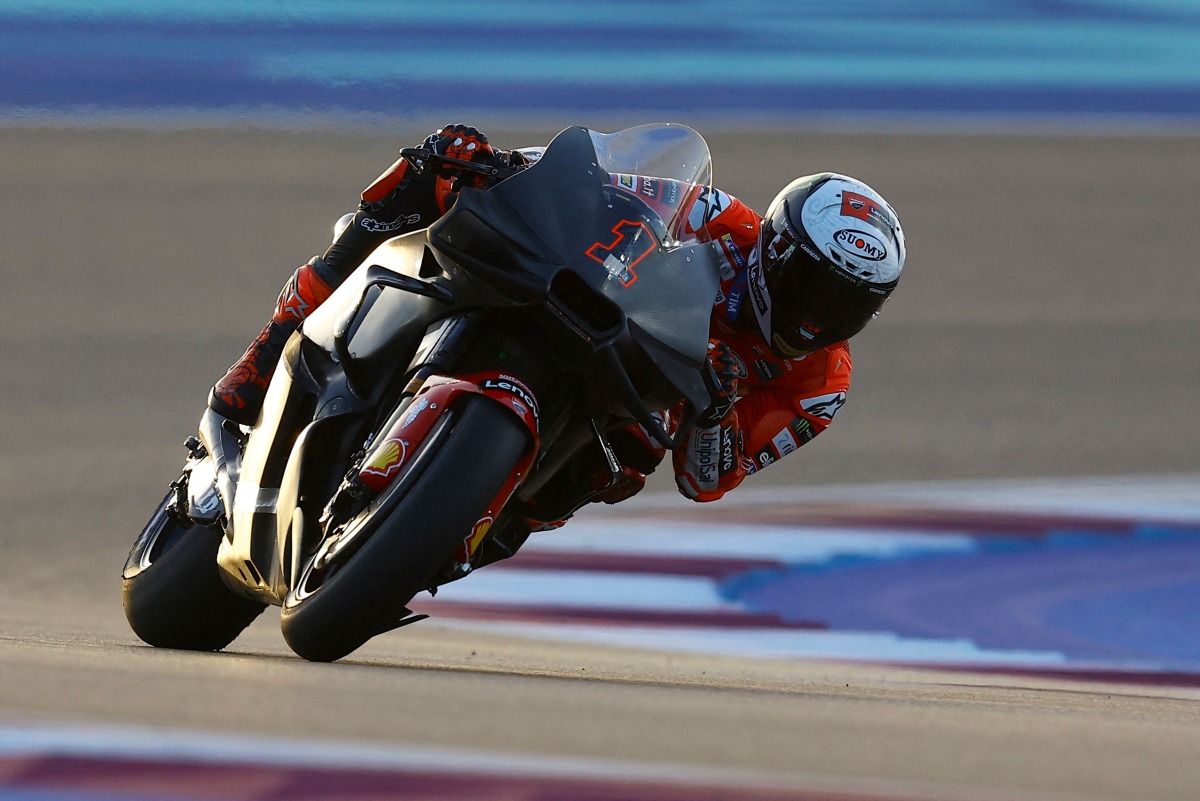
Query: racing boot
{"x": 238, "y": 396}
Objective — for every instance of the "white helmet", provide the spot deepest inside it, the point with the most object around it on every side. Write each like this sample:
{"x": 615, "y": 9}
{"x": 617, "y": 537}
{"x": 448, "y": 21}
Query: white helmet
{"x": 830, "y": 253}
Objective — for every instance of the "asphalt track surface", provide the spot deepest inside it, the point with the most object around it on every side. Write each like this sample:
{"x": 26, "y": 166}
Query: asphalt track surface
{"x": 1046, "y": 327}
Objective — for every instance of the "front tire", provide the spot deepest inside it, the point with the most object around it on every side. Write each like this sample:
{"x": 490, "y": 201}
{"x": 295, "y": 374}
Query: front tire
{"x": 172, "y": 589}
{"x": 341, "y": 602}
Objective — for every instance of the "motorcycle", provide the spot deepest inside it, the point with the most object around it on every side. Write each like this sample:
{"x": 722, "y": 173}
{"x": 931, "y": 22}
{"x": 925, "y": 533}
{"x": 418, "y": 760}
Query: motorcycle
{"x": 428, "y": 415}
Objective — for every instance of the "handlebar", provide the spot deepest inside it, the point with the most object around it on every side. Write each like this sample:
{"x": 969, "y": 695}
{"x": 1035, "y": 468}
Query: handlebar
{"x": 420, "y": 159}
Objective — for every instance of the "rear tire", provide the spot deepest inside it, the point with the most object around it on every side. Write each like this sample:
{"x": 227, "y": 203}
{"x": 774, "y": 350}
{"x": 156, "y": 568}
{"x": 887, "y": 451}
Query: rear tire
{"x": 172, "y": 589}
{"x": 413, "y": 532}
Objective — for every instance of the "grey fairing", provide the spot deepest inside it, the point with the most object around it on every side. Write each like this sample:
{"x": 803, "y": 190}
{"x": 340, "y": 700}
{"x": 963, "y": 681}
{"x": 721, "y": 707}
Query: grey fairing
{"x": 389, "y": 321}
{"x": 249, "y": 557}
{"x": 383, "y": 326}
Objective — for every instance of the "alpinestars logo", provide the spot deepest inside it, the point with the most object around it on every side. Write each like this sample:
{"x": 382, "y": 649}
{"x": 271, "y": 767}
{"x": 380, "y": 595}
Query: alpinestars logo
{"x": 379, "y": 227}
{"x": 824, "y": 407}
{"x": 293, "y": 303}
{"x": 707, "y": 207}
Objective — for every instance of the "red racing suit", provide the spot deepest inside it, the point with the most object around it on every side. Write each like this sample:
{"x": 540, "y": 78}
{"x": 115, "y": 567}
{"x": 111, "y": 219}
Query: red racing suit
{"x": 782, "y": 403}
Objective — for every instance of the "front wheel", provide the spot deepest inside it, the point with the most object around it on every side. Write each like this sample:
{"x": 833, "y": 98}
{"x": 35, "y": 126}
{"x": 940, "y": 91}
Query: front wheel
{"x": 172, "y": 589}
{"x": 347, "y": 594}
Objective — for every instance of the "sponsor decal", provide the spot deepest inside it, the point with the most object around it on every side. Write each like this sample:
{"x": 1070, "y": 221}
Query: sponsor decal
{"x": 802, "y": 430}
{"x": 734, "y": 306}
{"x": 734, "y": 254}
{"x": 860, "y": 206}
{"x": 478, "y": 532}
{"x": 758, "y": 289}
{"x": 812, "y": 254}
{"x": 519, "y": 407}
{"x": 748, "y": 465}
{"x": 787, "y": 349}
{"x": 728, "y": 452}
{"x": 860, "y": 244}
{"x": 388, "y": 458}
{"x": 737, "y": 293}
{"x": 758, "y": 294}
{"x": 414, "y": 411}
{"x": 379, "y": 226}
{"x": 671, "y": 193}
{"x": 766, "y": 370}
{"x": 706, "y": 445}
{"x": 663, "y": 190}
{"x": 627, "y": 182}
{"x": 824, "y": 407}
{"x": 765, "y": 457}
{"x": 863, "y": 208}
{"x": 785, "y": 442}
{"x": 513, "y": 386}
{"x": 719, "y": 299}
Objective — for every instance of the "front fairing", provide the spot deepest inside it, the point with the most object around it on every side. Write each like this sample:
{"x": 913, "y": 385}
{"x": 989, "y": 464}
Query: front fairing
{"x": 571, "y": 212}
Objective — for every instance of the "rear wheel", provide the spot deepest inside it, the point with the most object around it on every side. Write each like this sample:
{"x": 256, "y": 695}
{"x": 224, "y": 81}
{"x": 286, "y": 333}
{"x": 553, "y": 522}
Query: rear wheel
{"x": 172, "y": 589}
{"x": 358, "y": 582}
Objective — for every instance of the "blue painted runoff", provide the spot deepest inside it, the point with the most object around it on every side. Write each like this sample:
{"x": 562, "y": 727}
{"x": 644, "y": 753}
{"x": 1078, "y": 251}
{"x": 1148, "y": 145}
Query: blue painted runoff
{"x": 1032, "y": 58}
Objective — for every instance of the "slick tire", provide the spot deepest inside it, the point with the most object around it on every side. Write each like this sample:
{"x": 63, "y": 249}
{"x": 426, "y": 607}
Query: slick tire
{"x": 411, "y": 535}
{"x": 172, "y": 589}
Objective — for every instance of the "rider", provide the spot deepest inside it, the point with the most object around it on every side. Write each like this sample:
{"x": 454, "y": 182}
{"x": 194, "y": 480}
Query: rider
{"x": 815, "y": 269}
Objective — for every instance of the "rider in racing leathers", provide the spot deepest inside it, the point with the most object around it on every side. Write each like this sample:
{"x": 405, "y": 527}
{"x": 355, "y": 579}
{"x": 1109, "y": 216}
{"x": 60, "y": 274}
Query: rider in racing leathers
{"x": 814, "y": 270}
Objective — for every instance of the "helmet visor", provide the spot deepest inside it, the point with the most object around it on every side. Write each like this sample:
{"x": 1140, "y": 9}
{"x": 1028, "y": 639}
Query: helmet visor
{"x": 816, "y": 305}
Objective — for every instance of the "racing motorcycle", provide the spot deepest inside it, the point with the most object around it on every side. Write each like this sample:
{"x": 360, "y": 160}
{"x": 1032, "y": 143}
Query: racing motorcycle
{"x": 422, "y": 420}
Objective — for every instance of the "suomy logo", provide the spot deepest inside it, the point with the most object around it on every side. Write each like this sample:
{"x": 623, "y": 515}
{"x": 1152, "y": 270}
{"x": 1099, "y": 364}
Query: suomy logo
{"x": 860, "y": 244}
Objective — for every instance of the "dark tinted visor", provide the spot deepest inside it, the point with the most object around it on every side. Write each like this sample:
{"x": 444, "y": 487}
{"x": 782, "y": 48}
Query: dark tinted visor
{"x": 814, "y": 304}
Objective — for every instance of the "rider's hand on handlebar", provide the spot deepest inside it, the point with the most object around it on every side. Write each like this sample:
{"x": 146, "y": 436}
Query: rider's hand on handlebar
{"x": 463, "y": 143}
{"x": 722, "y": 379}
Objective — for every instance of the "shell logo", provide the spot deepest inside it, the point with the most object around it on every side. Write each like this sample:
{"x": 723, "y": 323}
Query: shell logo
{"x": 388, "y": 458}
{"x": 478, "y": 532}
